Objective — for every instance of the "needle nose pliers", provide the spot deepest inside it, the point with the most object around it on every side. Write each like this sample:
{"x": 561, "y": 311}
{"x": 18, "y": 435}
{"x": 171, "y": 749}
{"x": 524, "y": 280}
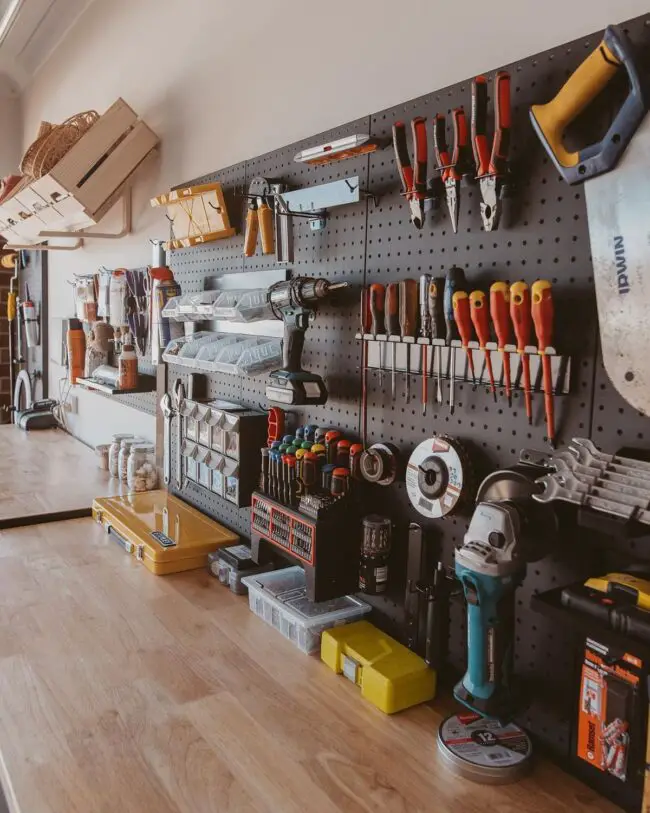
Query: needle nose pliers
{"x": 414, "y": 178}
{"x": 451, "y": 169}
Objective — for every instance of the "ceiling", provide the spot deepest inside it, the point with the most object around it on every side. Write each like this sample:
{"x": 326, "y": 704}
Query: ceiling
{"x": 37, "y": 30}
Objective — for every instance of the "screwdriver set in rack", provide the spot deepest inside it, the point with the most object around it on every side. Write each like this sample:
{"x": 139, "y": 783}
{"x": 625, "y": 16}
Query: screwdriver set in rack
{"x": 329, "y": 557}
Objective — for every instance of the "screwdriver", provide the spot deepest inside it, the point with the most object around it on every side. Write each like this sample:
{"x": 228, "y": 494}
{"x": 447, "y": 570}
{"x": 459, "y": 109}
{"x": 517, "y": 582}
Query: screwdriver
{"x": 436, "y": 312}
{"x": 463, "y": 320}
{"x": 521, "y": 319}
{"x": 481, "y": 321}
{"x": 391, "y": 321}
{"x": 425, "y": 331}
{"x": 455, "y": 282}
{"x": 365, "y": 318}
{"x": 377, "y": 301}
{"x": 542, "y": 311}
{"x": 408, "y": 322}
{"x": 500, "y": 312}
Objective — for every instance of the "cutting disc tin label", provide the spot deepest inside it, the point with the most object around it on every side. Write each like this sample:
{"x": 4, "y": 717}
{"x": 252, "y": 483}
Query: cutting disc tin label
{"x": 483, "y": 746}
{"x": 438, "y": 460}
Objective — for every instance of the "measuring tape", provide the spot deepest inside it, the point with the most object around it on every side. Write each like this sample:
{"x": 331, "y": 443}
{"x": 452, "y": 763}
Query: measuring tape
{"x": 438, "y": 477}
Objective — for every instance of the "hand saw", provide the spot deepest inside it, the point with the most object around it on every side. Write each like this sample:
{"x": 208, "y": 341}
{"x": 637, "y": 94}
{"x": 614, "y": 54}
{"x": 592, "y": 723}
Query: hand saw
{"x": 618, "y": 204}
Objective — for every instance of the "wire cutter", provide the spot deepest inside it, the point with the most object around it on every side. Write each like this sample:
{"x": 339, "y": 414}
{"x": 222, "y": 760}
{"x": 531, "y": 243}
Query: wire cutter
{"x": 491, "y": 168}
{"x": 414, "y": 179}
{"x": 451, "y": 170}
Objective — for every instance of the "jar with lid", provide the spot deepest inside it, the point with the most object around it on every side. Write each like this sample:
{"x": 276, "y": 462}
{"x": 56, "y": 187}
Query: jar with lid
{"x": 141, "y": 468}
{"x": 114, "y": 452}
{"x": 123, "y": 457}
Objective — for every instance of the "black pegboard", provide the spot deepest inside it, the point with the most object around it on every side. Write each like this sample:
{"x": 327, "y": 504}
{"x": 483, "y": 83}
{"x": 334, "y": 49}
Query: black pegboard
{"x": 543, "y": 234}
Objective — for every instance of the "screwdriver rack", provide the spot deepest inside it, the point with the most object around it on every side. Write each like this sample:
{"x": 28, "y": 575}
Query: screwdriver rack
{"x": 331, "y": 569}
{"x": 379, "y": 357}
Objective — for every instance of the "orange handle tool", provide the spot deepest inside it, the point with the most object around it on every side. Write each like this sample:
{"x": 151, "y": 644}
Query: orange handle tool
{"x": 376, "y": 304}
{"x": 463, "y": 319}
{"x": 542, "y": 311}
{"x": 521, "y": 319}
{"x": 501, "y": 142}
{"x": 265, "y": 220}
{"x": 252, "y": 227}
{"x": 481, "y": 321}
{"x": 500, "y": 312}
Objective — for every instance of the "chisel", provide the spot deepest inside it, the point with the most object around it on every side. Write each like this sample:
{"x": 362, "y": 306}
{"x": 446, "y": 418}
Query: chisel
{"x": 455, "y": 282}
{"x": 391, "y": 321}
{"x": 436, "y": 313}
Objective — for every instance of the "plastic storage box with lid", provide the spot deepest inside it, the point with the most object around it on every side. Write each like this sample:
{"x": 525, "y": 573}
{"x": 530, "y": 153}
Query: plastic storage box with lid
{"x": 280, "y": 599}
{"x": 389, "y": 675}
{"x": 231, "y": 564}
{"x": 161, "y": 531}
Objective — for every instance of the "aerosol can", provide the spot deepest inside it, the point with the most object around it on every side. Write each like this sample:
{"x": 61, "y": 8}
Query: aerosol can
{"x": 30, "y": 319}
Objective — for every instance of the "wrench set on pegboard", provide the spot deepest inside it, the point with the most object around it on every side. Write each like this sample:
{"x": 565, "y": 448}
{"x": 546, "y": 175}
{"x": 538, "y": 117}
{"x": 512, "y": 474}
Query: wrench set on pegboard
{"x": 542, "y": 234}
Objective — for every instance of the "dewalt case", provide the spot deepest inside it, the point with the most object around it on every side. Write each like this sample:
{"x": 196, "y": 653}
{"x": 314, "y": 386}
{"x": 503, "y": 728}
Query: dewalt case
{"x": 163, "y": 532}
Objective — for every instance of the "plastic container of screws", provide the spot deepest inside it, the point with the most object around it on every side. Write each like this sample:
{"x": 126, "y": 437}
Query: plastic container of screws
{"x": 231, "y": 564}
{"x": 280, "y": 599}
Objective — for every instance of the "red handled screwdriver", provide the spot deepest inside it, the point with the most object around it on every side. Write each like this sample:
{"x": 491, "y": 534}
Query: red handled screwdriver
{"x": 521, "y": 319}
{"x": 463, "y": 320}
{"x": 408, "y": 320}
{"x": 500, "y": 312}
{"x": 543, "y": 312}
{"x": 481, "y": 322}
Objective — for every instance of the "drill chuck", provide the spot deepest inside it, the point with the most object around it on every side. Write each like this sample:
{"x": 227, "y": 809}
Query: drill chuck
{"x": 300, "y": 292}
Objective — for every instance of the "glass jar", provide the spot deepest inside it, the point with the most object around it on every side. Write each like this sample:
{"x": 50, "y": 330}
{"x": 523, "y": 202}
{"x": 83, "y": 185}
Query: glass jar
{"x": 123, "y": 457}
{"x": 141, "y": 467}
{"x": 114, "y": 452}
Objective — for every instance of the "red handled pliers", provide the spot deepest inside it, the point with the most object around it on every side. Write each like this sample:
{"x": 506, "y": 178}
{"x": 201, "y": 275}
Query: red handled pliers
{"x": 451, "y": 169}
{"x": 491, "y": 169}
{"x": 414, "y": 179}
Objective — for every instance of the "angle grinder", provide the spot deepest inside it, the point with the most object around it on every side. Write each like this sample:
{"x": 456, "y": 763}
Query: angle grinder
{"x": 506, "y": 531}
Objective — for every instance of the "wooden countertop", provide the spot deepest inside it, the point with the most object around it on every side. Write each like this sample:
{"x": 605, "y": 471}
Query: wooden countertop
{"x": 124, "y": 691}
{"x": 45, "y": 472}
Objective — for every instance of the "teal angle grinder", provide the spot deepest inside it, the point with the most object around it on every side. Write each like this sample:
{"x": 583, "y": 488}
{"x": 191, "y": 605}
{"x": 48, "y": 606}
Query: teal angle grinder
{"x": 506, "y": 532}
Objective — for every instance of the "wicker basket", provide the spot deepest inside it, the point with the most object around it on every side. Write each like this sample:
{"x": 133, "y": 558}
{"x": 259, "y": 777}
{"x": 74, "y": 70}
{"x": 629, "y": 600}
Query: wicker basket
{"x": 53, "y": 142}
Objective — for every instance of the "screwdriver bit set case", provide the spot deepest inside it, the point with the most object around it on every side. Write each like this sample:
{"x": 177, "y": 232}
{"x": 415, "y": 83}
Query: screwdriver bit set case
{"x": 543, "y": 233}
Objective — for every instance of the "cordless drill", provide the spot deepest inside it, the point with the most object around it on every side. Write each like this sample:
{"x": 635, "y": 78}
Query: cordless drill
{"x": 294, "y": 302}
{"x": 490, "y": 566}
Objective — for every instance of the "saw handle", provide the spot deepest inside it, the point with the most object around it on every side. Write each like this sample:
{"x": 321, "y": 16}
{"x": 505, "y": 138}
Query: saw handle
{"x": 591, "y": 77}
{"x": 265, "y": 218}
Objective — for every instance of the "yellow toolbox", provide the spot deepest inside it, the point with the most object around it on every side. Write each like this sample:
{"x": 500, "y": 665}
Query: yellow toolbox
{"x": 163, "y": 532}
{"x": 389, "y": 675}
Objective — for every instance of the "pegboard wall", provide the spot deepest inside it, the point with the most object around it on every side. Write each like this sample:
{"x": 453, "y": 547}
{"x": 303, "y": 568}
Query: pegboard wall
{"x": 543, "y": 234}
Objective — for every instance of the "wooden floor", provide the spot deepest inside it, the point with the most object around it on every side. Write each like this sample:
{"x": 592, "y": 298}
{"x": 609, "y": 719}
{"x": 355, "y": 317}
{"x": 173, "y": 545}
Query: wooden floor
{"x": 124, "y": 691}
{"x": 46, "y": 472}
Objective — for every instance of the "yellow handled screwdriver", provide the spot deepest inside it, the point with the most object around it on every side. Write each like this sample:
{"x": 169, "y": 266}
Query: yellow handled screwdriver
{"x": 543, "y": 312}
{"x": 521, "y": 319}
{"x": 500, "y": 312}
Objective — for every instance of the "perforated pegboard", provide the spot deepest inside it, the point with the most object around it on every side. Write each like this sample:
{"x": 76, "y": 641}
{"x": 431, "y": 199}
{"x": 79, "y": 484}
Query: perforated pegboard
{"x": 543, "y": 234}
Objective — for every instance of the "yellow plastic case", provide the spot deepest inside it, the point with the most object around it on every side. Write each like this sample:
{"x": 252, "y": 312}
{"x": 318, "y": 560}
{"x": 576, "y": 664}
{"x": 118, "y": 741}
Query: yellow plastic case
{"x": 163, "y": 532}
{"x": 390, "y": 675}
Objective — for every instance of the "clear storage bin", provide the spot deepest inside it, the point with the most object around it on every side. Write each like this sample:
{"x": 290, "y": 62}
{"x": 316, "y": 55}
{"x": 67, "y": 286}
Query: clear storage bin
{"x": 280, "y": 599}
{"x": 141, "y": 467}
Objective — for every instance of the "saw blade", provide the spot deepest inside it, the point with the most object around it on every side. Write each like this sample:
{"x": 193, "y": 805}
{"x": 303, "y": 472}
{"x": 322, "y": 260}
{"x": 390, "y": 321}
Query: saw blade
{"x": 619, "y": 231}
{"x": 438, "y": 477}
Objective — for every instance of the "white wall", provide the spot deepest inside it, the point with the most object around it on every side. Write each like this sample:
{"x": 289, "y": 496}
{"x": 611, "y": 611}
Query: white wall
{"x": 11, "y": 132}
{"x": 224, "y": 81}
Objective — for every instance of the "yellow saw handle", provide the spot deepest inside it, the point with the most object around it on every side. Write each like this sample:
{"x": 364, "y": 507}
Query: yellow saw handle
{"x": 585, "y": 84}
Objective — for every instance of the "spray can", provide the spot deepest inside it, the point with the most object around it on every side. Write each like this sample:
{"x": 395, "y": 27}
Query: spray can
{"x": 117, "y": 298}
{"x": 30, "y": 319}
{"x": 76, "y": 341}
{"x": 163, "y": 288}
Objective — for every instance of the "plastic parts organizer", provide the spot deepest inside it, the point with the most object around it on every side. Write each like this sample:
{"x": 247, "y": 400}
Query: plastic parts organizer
{"x": 280, "y": 599}
{"x": 235, "y": 306}
{"x": 225, "y": 353}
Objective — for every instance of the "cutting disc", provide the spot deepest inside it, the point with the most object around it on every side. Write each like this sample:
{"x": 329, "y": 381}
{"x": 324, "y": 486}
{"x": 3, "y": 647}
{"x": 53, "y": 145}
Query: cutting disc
{"x": 483, "y": 750}
{"x": 438, "y": 477}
